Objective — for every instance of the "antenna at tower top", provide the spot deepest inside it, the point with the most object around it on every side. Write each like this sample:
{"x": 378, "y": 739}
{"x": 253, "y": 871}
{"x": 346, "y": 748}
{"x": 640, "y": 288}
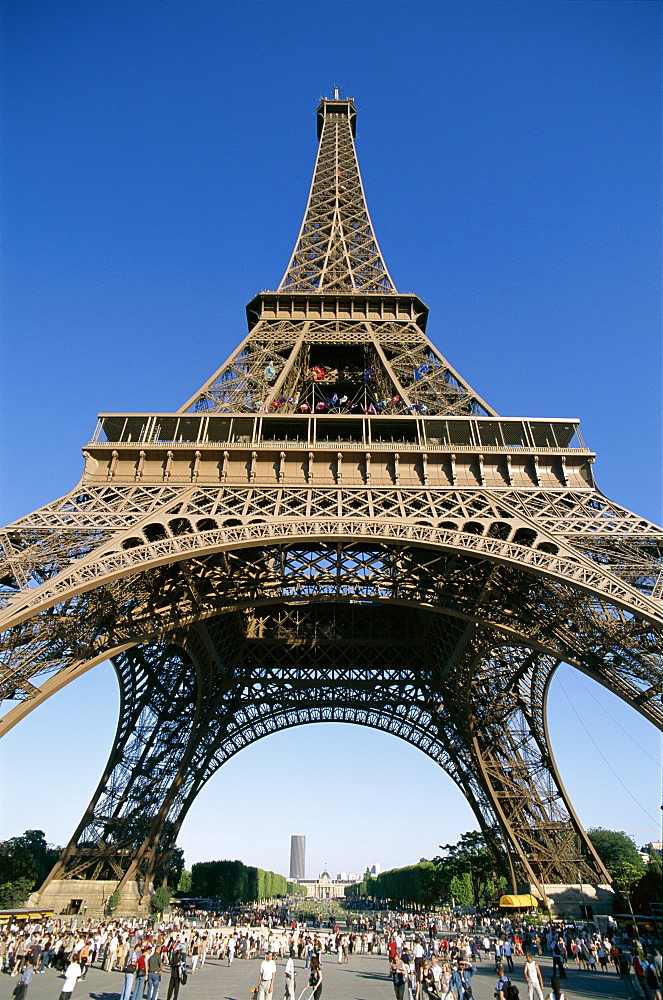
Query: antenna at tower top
{"x": 337, "y": 93}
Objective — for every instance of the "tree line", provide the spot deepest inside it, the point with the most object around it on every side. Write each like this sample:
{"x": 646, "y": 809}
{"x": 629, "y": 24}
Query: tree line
{"x": 234, "y": 883}
{"x": 467, "y": 874}
{"x": 464, "y": 875}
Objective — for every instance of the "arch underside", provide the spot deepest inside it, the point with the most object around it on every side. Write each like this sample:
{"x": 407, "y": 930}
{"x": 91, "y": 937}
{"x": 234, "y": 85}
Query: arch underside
{"x": 450, "y": 651}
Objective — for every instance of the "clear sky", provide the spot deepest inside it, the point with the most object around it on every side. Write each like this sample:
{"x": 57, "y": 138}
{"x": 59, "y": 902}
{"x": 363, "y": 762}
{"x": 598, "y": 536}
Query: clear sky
{"x": 157, "y": 159}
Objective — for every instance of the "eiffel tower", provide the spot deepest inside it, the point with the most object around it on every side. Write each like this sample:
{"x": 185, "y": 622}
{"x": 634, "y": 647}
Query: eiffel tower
{"x": 335, "y": 527}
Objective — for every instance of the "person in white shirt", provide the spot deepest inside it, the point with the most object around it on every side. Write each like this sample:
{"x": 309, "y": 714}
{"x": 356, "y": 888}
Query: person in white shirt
{"x": 71, "y": 975}
{"x": 267, "y": 976}
{"x": 533, "y": 978}
{"x": 419, "y": 955}
{"x": 290, "y": 979}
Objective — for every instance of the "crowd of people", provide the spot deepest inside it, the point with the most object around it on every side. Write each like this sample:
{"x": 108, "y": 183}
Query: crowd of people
{"x": 429, "y": 958}
{"x": 430, "y": 966}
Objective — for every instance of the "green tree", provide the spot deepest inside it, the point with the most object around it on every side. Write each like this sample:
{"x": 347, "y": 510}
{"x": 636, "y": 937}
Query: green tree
{"x": 648, "y": 890}
{"x": 160, "y": 899}
{"x": 113, "y": 902}
{"x": 24, "y": 861}
{"x": 184, "y": 884}
{"x": 461, "y": 891}
{"x": 618, "y": 853}
{"x": 469, "y": 857}
{"x": 15, "y": 893}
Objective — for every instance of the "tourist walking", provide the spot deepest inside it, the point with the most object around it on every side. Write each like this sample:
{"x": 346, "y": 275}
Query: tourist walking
{"x": 315, "y": 978}
{"x": 290, "y": 978}
{"x": 130, "y": 965}
{"x": 177, "y": 965}
{"x": 153, "y": 974}
{"x": 398, "y": 977}
{"x": 427, "y": 986}
{"x": 533, "y": 977}
{"x": 72, "y": 974}
{"x": 267, "y": 976}
{"x": 559, "y": 958}
{"x": 21, "y": 988}
{"x": 141, "y": 976}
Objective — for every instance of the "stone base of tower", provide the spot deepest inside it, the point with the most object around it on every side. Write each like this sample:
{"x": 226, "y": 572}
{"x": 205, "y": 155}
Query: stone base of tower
{"x": 574, "y": 901}
{"x": 70, "y": 897}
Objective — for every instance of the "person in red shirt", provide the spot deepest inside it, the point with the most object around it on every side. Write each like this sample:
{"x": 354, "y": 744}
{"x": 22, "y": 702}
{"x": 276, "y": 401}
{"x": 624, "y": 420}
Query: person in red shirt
{"x": 141, "y": 974}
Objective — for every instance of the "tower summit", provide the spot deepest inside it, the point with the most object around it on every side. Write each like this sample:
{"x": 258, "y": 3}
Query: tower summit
{"x": 334, "y": 527}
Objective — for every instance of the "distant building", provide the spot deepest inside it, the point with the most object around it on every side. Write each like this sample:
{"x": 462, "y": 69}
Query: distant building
{"x": 375, "y": 870}
{"x": 297, "y": 857}
{"x": 342, "y": 877}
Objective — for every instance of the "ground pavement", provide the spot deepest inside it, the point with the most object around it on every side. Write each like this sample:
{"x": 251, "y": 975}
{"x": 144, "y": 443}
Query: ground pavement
{"x": 365, "y": 977}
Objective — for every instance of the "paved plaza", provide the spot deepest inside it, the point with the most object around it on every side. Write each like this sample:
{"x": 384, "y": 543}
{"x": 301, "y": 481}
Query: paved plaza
{"x": 365, "y": 977}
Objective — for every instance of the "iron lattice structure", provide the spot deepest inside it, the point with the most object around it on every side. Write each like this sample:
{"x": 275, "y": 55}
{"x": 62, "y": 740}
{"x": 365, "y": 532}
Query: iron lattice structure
{"x": 335, "y": 527}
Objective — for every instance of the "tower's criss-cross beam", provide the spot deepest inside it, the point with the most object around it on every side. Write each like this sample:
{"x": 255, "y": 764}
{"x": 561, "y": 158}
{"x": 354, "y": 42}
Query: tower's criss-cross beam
{"x": 336, "y": 250}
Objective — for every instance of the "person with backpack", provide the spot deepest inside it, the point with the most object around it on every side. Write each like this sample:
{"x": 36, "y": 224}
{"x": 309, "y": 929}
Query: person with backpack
{"x": 505, "y": 989}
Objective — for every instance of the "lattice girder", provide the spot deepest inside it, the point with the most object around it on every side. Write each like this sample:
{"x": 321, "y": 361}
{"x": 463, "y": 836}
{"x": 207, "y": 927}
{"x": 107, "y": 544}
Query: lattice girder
{"x": 619, "y": 649}
{"x": 277, "y": 369}
{"x": 606, "y": 535}
{"x": 336, "y": 249}
{"x": 335, "y": 527}
{"x": 504, "y": 688}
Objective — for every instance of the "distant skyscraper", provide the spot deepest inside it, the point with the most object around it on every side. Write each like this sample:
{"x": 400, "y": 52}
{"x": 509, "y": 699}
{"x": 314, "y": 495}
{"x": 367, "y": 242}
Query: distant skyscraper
{"x": 375, "y": 870}
{"x": 297, "y": 857}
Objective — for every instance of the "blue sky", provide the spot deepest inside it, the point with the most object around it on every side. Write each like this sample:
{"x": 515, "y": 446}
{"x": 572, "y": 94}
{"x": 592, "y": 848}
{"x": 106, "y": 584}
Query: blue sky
{"x": 157, "y": 158}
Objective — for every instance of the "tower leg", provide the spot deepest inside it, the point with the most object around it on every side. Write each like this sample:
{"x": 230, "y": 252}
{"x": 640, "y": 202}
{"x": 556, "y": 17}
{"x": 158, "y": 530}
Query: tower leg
{"x": 504, "y": 705}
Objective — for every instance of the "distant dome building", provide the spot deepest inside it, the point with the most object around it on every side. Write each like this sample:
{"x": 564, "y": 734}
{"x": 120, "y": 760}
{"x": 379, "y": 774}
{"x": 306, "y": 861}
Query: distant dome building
{"x": 324, "y": 887}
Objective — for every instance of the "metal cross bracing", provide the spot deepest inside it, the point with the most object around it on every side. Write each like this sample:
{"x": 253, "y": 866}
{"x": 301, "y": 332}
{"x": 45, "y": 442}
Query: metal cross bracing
{"x": 336, "y": 249}
{"x": 360, "y": 367}
{"x": 335, "y": 527}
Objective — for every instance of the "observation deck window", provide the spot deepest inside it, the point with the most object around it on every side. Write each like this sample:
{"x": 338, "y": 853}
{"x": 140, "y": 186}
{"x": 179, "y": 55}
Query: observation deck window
{"x": 218, "y": 429}
{"x": 514, "y": 434}
{"x": 490, "y": 433}
{"x": 339, "y": 430}
{"x": 284, "y": 430}
{"x": 543, "y": 435}
{"x": 394, "y": 431}
{"x": 460, "y": 432}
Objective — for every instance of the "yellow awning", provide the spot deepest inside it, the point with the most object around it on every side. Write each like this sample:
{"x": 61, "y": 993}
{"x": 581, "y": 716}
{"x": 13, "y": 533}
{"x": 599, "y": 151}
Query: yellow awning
{"x": 519, "y": 902}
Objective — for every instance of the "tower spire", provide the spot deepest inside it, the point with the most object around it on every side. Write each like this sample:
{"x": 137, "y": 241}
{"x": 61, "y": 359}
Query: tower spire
{"x": 336, "y": 249}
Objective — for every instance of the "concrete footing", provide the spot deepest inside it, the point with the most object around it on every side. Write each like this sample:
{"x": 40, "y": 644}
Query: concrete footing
{"x": 90, "y": 898}
{"x": 574, "y": 901}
